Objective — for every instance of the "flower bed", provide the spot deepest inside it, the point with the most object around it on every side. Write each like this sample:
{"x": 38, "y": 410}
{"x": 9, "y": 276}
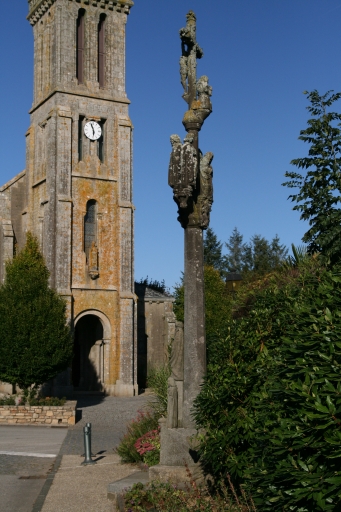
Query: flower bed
{"x": 62, "y": 415}
{"x": 148, "y": 446}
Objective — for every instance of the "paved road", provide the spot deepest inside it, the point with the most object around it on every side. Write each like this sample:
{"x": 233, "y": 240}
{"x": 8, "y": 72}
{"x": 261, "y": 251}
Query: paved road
{"x": 108, "y": 417}
{"x": 22, "y": 477}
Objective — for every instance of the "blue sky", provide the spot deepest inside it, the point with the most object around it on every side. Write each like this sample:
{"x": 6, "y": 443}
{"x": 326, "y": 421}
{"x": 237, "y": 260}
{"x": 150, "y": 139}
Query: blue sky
{"x": 260, "y": 55}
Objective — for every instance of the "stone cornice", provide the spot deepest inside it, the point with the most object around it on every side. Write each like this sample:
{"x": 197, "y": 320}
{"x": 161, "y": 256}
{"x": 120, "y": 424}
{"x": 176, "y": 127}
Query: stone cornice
{"x": 38, "y": 7}
{"x": 85, "y": 94}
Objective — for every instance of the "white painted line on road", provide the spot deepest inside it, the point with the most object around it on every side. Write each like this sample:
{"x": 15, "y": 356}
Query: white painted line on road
{"x": 29, "y": 454}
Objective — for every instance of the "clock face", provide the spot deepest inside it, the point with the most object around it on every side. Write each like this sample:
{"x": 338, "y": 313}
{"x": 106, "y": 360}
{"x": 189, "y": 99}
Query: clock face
{"x": 92, "y": 130}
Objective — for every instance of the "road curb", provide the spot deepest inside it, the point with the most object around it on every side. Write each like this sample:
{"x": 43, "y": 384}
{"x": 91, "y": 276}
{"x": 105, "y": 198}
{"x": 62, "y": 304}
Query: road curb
{"x": 39, "y": 503}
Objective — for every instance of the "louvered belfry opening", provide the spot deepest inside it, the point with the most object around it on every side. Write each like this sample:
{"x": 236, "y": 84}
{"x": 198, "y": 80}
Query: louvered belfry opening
{"x": 90, "y": 226}
{"x": 80, "y": 45}
{"x": 101, "y": 51}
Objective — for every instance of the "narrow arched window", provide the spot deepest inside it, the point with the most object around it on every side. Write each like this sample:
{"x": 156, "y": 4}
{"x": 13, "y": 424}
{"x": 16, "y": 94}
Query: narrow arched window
{"x": 101, "y": 51}
{"x": 90, "y": 226}
{"x": 80, "y": 46}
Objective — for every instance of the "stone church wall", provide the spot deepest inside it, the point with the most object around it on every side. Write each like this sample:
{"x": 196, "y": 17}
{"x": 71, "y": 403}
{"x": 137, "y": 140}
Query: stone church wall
{"x": 155, "y": 330}
{"x": 51, "y": 198}
{"x": 12, "y": 211}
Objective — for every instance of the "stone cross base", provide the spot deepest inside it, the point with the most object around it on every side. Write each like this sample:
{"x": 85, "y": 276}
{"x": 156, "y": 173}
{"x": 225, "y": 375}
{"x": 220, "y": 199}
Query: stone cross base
{"x": 179, "y": 461}
{"x": 177, "y": 475}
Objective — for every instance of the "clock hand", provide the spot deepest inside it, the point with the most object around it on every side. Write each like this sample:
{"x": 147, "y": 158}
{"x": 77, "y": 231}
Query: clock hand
{"x": 92, "y": 126}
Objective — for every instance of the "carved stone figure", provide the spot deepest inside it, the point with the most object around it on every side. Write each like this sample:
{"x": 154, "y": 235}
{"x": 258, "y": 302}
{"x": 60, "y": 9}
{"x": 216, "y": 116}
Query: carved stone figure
{"x": 174, "y": 170}
{"x": 184, "y": 71}
{"x": 204, "y": 96}
{"x": 204, "y": 91}
{"x": 188, "y": 34}
{"x": 201, "y": 107}
{"x": 183, "y": 169}
{"x": 206, "y": 188}
{"x": 93, "y": 261}
{"x": 177, "y": 353}
{"x": 189, "y": 163}
{"x": 172, "y": 404}
{"x": 191, "y": 51}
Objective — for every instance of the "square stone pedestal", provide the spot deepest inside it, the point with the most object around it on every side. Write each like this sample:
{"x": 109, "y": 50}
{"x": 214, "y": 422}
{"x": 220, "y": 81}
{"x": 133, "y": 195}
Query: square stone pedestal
{"x": 179, "y": 460}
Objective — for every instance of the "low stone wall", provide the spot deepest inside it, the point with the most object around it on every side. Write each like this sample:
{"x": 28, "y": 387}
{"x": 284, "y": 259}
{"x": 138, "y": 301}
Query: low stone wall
{"x": 62, "y": 415}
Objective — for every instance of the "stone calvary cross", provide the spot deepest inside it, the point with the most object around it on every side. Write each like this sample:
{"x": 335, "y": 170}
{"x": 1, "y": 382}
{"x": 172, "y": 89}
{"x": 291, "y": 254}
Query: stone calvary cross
{"x": 190, "y": 176}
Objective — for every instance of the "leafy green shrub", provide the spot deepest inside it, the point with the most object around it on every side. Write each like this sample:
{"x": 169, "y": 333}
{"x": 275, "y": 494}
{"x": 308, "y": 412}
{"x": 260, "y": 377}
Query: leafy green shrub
{"x": 164, "y": 497}
{"x": 271, "y": 402}
{"x": 218, "y": 302}
{"x": 47, "y": 401}
{"x": 7, "y": 401}
{"x": 36, "y": 343}
{"x": 157, "y": 380}
{"x": 145, "y": 422}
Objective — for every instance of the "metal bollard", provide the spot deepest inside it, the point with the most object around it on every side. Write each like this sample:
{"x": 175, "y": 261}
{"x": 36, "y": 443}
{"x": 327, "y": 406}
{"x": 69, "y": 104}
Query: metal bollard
{"x": 92, "y": 454}
{"x": 87, "y": 445}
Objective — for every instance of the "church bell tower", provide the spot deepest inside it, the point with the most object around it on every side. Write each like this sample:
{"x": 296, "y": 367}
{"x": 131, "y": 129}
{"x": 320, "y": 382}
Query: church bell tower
{"x": 78, "y": 183}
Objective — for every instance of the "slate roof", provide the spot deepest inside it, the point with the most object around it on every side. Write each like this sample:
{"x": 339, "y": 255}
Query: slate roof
{"x": 145, "y": 292}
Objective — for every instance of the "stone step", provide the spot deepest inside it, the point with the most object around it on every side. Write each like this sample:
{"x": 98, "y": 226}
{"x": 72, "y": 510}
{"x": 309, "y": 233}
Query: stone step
{"x": 116, "y": 490}
{"x": 81, "y": 393}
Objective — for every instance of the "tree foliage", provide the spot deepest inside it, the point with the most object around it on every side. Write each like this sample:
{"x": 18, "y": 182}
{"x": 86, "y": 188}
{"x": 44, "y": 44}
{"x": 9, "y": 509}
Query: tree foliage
{"x": 319, "y": 190}
{"x": 235, "y": 258}
{"x": 213, "y": 256}
{"x": 257, "y": 256}
{"x": 271, "y": 402}
{"x": 218, "y": 301}
{"x": 35, "y": 342}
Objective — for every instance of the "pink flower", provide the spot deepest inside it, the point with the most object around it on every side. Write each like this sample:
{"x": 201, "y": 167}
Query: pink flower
{"x": 148, "y": 442}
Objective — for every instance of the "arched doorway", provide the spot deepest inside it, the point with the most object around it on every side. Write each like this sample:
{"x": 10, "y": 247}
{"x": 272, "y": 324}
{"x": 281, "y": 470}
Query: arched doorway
{"x": 88, "y": 361}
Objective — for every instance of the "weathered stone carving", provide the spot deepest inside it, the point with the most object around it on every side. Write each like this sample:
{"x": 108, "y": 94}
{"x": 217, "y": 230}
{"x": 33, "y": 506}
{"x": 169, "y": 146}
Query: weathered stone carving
{"x": 177, "y": 352}
{"x": 174, "y": 170}
{"x": 183, "y": 178}
{"x": 201, "y": 107}
{"x": 172, "y": 404}
{"x": 183, "y": 169}
{"x": 206, "y": 188}
{"x": 191, "y": 51}
{"x": 204, "y": 92}
{"x": 93, "y": 261}
{"x": 192, "y": 188}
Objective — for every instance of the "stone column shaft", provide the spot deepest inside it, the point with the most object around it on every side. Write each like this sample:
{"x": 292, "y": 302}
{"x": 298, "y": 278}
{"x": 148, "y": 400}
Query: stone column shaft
{"x": 194, "y": 330}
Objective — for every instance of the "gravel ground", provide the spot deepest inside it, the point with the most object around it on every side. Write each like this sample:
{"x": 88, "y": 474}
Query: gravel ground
{"x": 84, "y": 488}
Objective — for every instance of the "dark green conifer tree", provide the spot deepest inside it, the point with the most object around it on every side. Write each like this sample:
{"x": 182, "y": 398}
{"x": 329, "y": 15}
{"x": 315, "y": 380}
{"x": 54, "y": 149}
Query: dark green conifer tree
{"x": 35, "y": 341}
{"x": 258, "y": 256}
{"x": 213, "y": 252}
{"x": 235, "y": 259}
